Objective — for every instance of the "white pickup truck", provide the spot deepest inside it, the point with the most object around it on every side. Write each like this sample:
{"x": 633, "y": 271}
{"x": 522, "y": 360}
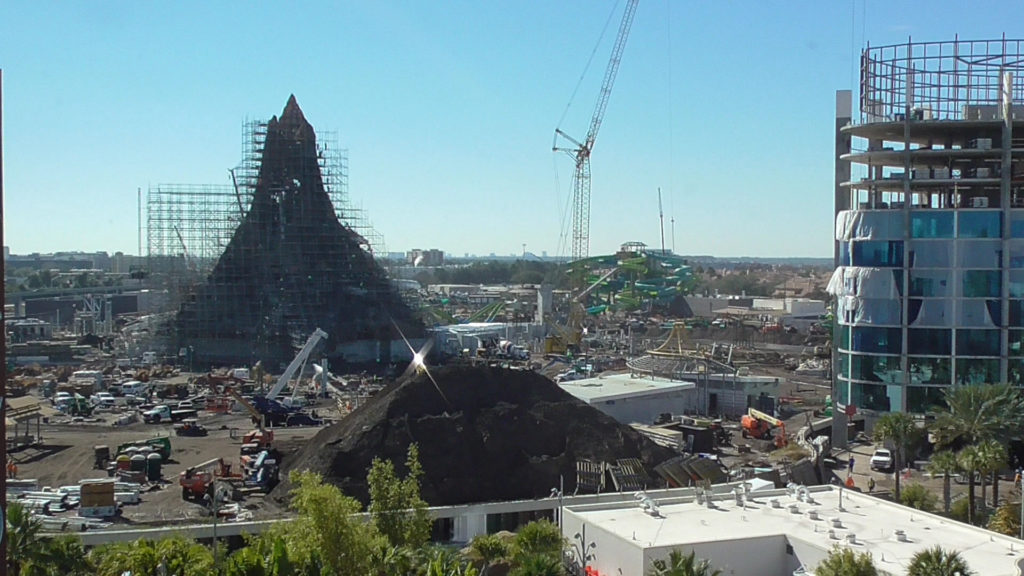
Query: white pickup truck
{"x": 163, "y": 413}
{"x": 882, "y": 460}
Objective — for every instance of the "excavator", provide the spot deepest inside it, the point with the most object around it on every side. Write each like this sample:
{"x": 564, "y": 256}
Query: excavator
{"x": 757, "y": 424}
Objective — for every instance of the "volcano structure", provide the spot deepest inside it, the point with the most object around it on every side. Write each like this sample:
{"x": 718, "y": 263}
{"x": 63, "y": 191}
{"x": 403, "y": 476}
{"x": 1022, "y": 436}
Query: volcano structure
{"x": 290, "y": 268}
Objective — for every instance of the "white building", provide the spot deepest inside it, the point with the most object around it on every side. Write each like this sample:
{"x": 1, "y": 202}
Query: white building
{"x": 773, "y": 532}
{"x": 629, "y": 398}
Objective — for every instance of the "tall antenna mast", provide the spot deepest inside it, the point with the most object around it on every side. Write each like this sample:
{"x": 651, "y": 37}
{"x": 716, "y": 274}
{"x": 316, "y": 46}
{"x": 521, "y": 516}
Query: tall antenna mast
{"x": 661, "y": 218}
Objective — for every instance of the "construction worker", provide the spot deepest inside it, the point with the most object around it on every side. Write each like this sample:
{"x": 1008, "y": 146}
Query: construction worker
{"x": 12, "y": 468}
{"x": 871, "y": 484}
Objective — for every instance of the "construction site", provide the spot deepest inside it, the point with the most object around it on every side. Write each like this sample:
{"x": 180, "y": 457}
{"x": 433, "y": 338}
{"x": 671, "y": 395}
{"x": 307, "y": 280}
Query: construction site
{"x": 262, "y": 334}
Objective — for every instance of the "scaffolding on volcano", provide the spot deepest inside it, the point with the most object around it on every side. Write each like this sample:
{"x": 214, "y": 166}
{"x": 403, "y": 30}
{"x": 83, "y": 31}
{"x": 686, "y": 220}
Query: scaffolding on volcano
{"x": 188, "y": 227}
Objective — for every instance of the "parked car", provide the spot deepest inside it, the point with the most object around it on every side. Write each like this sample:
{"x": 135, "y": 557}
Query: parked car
{"x": 185, "y": 405}
{"x": 882, "y": 460}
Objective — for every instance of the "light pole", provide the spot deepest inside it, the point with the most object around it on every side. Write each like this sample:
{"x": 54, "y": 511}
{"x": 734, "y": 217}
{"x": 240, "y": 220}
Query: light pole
{"x": 212, "y": 497}
{"x": 582, "y": 549}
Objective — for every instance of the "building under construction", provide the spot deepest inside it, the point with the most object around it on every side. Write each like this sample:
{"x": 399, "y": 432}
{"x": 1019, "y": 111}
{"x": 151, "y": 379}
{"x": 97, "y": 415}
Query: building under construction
{"x": 260, "y": 264}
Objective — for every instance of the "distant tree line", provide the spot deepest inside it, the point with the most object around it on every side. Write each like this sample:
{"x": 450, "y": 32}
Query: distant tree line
{"x": 497, "y": 272}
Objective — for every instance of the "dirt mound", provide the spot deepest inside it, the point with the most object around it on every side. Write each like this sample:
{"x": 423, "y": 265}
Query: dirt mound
{"x": 483, "y": 433}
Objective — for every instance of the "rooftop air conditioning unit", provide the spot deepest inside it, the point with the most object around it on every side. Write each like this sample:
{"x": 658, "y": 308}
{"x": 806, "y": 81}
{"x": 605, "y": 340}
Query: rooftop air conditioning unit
{"x": 979, "y": 202}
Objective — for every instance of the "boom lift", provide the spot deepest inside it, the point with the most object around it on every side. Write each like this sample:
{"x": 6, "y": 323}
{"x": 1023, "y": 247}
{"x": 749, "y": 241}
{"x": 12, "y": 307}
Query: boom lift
{"x": 196, "y": 481}
{"x": 757, "y": 424}
{"x": 299, "y": 360}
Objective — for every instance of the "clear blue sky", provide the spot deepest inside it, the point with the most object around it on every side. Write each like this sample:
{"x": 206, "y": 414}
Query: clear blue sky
{"x": 448, "y": 109}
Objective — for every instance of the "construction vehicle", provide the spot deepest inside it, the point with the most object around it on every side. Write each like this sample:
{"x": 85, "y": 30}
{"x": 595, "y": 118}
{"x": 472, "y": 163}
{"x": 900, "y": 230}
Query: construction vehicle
{"x": 196, "y": 481}
{"x": 163, "y": 413}
{"x": 160, "y": 444}
{"x": 190, "y": 427}
{"x": 757, "y": 424}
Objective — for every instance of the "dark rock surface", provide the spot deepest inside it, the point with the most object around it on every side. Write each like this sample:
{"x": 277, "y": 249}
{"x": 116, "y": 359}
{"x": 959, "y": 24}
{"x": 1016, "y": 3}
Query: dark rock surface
{"x": 496, "y": 434}
{"x": 290, "y": 267}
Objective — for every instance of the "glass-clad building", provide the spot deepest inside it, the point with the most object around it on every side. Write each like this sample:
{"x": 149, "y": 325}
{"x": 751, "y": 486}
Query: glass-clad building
{"x": 929, "y": 230}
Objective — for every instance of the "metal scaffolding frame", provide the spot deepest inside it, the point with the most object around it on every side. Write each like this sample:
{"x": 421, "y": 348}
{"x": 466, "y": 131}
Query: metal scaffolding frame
{"x": 189, "y": 227}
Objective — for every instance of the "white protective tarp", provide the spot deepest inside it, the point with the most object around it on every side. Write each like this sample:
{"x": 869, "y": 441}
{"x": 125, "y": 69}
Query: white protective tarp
{"x": 854, "y": 310}
{"x": 864, "y": 282}
{"x": 869, "y": 225}
{"x": 845, "y": 221}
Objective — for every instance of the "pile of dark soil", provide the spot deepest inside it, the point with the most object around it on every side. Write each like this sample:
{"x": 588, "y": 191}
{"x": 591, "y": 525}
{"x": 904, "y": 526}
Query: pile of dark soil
{"x": 494, "y": 434}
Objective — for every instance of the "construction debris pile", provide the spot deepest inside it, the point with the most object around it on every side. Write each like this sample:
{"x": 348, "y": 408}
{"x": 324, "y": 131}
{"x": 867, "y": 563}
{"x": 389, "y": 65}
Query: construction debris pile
{"x": 484, "y": 434}
{"x": 291, "y": 266}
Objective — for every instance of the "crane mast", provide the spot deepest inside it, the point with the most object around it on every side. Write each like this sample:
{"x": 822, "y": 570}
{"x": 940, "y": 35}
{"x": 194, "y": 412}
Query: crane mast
{"x": 580, "y": 151}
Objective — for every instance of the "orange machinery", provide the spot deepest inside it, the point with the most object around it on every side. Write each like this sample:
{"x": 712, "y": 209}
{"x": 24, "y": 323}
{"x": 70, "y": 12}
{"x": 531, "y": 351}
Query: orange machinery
{"x": 195, "y": 481}
{"x": 757, "y": 424}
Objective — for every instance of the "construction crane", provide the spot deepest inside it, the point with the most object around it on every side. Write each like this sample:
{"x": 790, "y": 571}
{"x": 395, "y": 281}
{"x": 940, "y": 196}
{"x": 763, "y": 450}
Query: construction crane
{"x": 580, "y": 151}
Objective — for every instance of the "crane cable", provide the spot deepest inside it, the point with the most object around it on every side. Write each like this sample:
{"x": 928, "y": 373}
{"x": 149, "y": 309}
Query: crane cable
{"x": 589, "y": 61}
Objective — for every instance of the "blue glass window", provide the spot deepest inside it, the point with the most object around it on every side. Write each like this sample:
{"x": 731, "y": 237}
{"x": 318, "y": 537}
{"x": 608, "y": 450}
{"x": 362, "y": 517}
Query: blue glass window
{"x": 980, "y": 224}
{"x": 877, "y": 340}
{"x": 976, "y": 371}
{"x": 876, "y": 369}
{"x": 975, "y": 342}
{"x": 929, "y": 370}
{"x": 981, "y": 283}
{"x": 878, "y": 254}
{"x": 844, "y": 253}
{"x": 929, "y": 224}
{"x": 870, "y": 396}
{"x": 930, "y": 341}
{"x": 922, "y": 399}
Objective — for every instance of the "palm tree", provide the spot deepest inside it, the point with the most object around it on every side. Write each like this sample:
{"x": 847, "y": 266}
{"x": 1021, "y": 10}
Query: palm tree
{"x": 846, "y": 562}
{"x": 938, "y": 562}
{"x": 679, "y": 564}
{"x": 970, "y": 460}
{"x": 491, "y": 548}
{"x": 975, "y": 413}
{"x": 537, "y": 565}
{"x": 993, "y": 460}
{"x": 901, "y": 430}
{"x": 23, "y": 544}
{"x": 62, "y": 556}
{"x": 944, "y": 462}
{"x": 171, "y": 555}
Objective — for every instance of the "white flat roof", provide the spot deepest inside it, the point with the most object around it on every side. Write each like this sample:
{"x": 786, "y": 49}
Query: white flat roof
{"x": 617, "y": 386}
{"x": 872, "y": 520}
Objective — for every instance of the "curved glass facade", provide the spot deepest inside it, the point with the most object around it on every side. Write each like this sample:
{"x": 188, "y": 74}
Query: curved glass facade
{"x": 929, "y": 280}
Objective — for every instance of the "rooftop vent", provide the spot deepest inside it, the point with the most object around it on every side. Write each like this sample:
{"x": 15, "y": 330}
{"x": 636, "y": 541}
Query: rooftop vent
{"x": 836, "y": 522}
{"x": 901, "y": 536}
{"x": 851, "y": 538}
{"x": 813, "y": 515}
{"x": 794, "y": 509}
{"x": 775, "y": 503}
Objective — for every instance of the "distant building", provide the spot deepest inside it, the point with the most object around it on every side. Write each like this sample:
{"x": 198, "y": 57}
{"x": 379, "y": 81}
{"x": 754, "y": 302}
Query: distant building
{"x": 418, "y": 257}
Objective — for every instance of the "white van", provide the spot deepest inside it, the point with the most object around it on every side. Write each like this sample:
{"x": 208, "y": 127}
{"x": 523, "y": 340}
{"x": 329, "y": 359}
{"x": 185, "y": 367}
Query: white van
{"x": 135, "y": 388}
